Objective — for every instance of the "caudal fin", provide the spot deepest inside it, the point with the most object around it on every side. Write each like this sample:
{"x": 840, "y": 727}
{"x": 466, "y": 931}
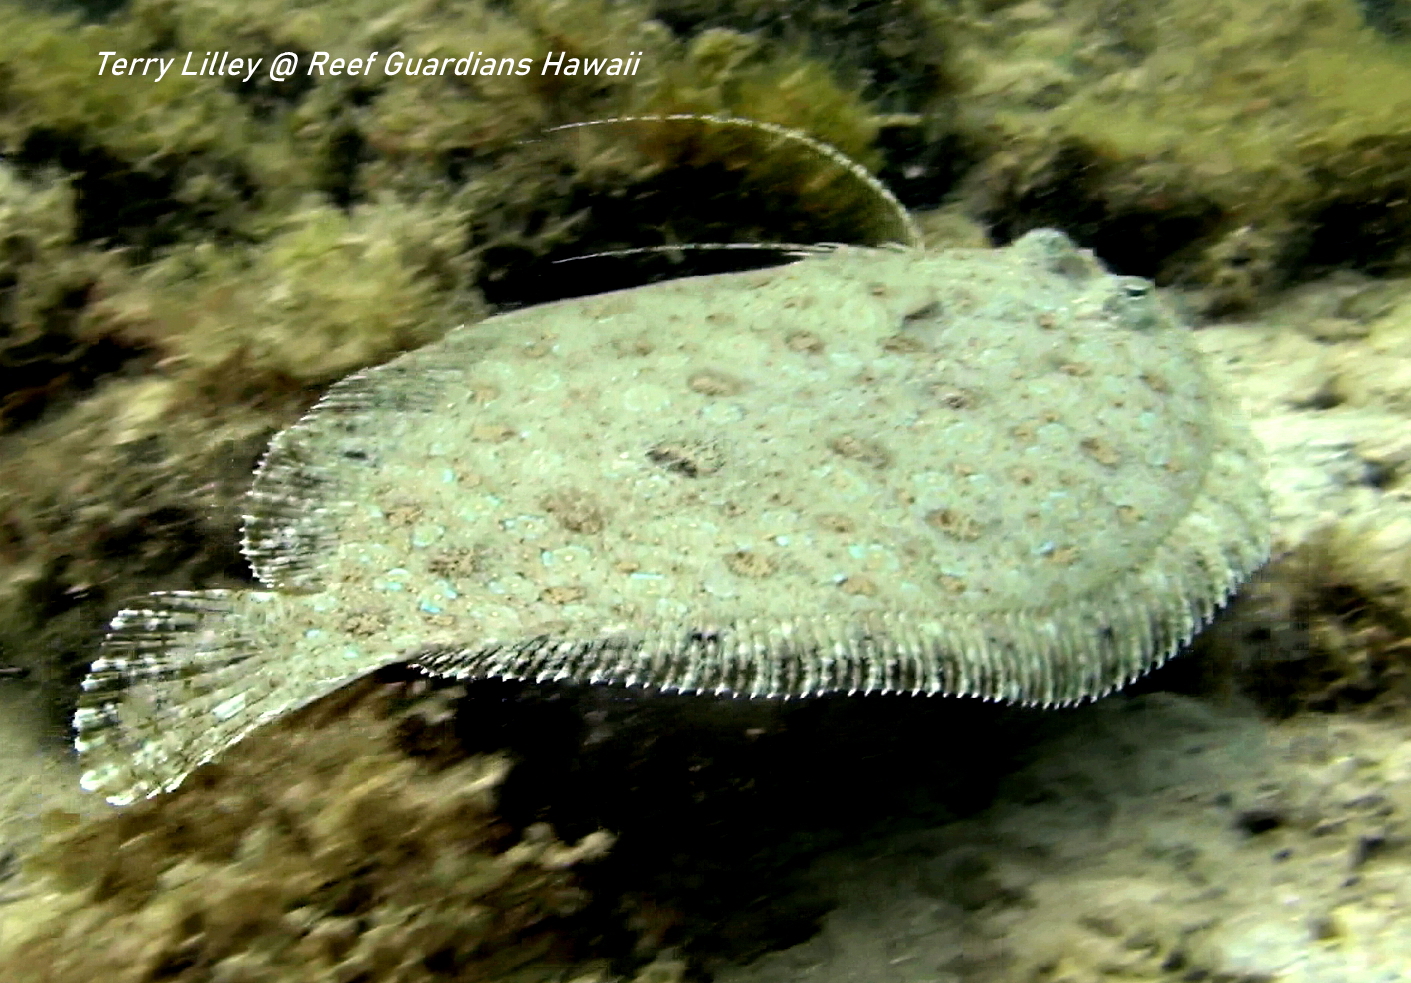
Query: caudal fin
{"x": 181, "y": 678}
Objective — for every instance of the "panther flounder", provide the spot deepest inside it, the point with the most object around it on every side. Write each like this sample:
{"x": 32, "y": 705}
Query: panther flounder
{"x": 996, "y": 473}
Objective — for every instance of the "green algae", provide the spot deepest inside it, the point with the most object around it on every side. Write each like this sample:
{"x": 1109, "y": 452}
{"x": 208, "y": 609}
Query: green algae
{"x": 326, "y": 852}
{"x": 1193, "y": 142}
{"x": 359, "y": 283}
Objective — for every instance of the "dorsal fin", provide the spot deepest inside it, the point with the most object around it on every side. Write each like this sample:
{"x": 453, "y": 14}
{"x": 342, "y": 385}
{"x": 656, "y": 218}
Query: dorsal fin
{"x": 302, "y": 483}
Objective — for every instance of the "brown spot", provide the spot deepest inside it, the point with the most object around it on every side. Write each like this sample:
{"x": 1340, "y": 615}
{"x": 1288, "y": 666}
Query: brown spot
{"x": 483, "y": 392}
{"x": 1064, "y": 556}
{"x": 733, "y": 510}
{"x": 538, "y": 349}
{"x": 804, "y": 341}
{"x": 902, "y": 344}
{"x": 1101, "y": 451}
{"x": 747, "y": 563}
{"x": 363, "y": 625}
{"x": 563, "y": 595}
{"x": 441, "y": 620}
{"x": 1047, "y": 321}
{"x": 692, "y": 458}
{"x": 868, "y": 452}
{"x": 576, "y": 511}
{"x": 1024, "y": 476}
{"x": 859, "y": 584}
{"x": 1128, "y": 513}
{"x": 953, "y": 585}
{"x": 954, "y": 524}
{"x": 610, "y": 306}
{"x": 709, "y": 382}
{"x": 1079, "y": 369}
{"x": 495, "y": 433}
{"x": 627, "y": 566}
{"x": 1155, "y": 382}
{"x": 1024, "y": 432}
{"x": 459, "y": 561}
{"x": 877, "y": 289}
{"x": 404, "y": 514}
{"x": 639, "y": 346}
{"x": 835, "y": 522}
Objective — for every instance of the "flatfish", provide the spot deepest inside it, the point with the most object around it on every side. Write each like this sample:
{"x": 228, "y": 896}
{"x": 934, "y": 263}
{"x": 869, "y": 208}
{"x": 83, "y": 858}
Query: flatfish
{"x": 1002, "y": 474}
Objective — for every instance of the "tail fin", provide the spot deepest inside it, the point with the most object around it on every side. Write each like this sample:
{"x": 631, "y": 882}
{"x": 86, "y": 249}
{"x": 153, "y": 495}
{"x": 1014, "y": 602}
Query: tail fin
{"x": 180, "y": 679}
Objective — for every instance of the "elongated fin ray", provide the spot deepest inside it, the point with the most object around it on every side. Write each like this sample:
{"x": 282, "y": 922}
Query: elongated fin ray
{"x": 911, "y": 232}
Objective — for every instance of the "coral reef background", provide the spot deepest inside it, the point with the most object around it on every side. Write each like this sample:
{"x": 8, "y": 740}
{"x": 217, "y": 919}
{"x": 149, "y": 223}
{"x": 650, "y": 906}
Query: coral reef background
{"x": 184, "y": 264}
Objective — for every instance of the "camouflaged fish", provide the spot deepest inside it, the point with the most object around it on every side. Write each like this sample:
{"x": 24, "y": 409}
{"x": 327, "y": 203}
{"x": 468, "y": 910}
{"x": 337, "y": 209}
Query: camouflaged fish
{"x": 995, "y": 473}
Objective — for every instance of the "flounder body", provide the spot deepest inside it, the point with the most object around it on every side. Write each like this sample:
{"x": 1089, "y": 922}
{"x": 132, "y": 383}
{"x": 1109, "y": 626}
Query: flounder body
{"x": 997, "y": 473}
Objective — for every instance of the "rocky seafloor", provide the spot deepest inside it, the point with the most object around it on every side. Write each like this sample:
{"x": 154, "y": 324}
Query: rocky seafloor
{"x": 1239, "y": 816}
{"x": 1242, "y": 815}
